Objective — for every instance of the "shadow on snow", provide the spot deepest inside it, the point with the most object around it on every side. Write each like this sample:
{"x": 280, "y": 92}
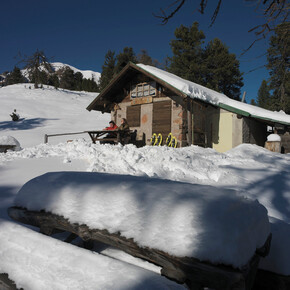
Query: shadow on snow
{"x": 23, "y": 124}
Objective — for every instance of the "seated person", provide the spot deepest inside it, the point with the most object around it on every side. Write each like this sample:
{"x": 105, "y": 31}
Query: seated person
{"x": 112, "y": 126}
{"x": 124, "y": 130}
{"x": 124, "y": 125}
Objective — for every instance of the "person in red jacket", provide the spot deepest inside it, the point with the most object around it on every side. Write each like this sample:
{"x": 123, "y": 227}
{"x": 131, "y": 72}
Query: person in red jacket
{"x": 112, "y": 126}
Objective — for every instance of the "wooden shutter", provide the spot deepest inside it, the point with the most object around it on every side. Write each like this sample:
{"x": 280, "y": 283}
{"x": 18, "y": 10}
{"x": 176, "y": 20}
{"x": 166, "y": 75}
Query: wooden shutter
{"x": 162, "y": 118}
{"x": 134, "y": 115}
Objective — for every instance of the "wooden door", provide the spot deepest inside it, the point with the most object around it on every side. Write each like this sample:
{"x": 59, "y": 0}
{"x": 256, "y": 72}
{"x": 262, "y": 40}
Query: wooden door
{"x": 162, "y": 118}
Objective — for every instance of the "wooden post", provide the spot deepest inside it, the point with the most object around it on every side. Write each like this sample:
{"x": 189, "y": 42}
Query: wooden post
{"x": 45, "y": 138}
{"x": 189, "y": 123}
{"x": 119, "y": 137}
{"x": 192, "y": 122}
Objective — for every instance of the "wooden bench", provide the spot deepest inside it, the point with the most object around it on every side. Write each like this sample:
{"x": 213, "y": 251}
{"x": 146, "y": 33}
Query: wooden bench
{"x": 5, "y": 148}
{"x": 193, "y": 272}
{"x": 123, "y": 137}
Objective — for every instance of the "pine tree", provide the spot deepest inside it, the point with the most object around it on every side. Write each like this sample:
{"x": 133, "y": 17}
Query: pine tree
{"x": 278, "y": 64}
{"x": 187, "y": 60}
{"x": 43, "y": 77}
{"x": 123, "y": 58}
{"x": 15, "y": 77}
{"x": 34, "y": 64}
{"x": 108, "y": 69}
{"x": 67, "y": 80}
{"x": 253, "y": 102}
{"x": 264, "y": 96}
{"x": 78, "y": 79}
{"x": 53, "y": 80}
{"x": 144, "y": 58}
{"x": 221, "y": 70}
{"x": 212, "y": 66}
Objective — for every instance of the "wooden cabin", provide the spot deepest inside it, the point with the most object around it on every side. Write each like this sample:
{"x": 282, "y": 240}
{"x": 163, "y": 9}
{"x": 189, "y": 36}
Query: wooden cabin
{"x": 151, "y": 102}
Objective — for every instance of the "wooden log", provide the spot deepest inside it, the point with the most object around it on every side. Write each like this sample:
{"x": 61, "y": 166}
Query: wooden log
{"x": 189, "y": 122}
{"x": 266, "y": 280}
{"x": 194, "y": 273}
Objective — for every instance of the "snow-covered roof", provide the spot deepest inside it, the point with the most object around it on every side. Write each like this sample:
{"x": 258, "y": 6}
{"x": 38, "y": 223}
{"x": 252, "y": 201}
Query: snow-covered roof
{"x": 202, "y": 93}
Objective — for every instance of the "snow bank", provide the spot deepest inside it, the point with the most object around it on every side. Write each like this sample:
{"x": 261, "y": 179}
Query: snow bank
{"x": 210, "y": 96}
{"x": 37, "y": 262}
{"x": 254, "y": 171}
{"x": 182, "y": 219}
{"x": 9, "y": 140}
{"x": 274, "y": 137}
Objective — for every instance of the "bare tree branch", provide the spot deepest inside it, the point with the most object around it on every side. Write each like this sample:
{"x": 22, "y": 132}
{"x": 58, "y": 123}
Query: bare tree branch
{"x": 215, "y": 14}
{"x": 166, "y": 18}
{"x": 273, "y": 11}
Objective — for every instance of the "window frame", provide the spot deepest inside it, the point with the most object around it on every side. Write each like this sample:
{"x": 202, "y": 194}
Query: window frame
{"x": 144, "y": 89}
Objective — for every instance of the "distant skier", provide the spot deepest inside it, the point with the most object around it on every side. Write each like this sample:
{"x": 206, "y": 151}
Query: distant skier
{"x": 15, "y": 117}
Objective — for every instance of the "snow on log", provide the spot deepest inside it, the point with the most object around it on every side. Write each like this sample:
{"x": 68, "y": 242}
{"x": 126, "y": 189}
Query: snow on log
{"x": 183, "y": 220}
{"x": 191, "y": 271}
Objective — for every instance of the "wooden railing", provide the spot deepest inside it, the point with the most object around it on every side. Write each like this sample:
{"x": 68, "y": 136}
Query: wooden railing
{"x": 62, "y": 134}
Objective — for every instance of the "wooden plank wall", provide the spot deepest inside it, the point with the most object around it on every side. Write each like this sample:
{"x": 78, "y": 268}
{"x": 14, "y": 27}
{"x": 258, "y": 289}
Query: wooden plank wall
{"x": 199, "y": 123}
{"x": 134, "y": 115}
{"x": 162, "y": 118}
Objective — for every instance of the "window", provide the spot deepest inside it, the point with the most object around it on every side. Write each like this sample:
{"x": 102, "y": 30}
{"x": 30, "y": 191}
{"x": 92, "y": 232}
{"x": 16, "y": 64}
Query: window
{"x": 143, "y": 90}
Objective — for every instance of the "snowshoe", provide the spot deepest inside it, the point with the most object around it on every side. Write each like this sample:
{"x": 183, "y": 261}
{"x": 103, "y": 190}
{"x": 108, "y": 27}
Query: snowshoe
{"x": 173, "y": 142}
{"x": 159, "y": 140}
{"x": 153, "y": 140}
{"x": 168, "y": 140}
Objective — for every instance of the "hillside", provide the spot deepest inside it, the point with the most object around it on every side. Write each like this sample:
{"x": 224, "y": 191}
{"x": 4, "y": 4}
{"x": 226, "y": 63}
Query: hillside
{"x": 87, "y": 74}
{"x": 47, "y": 111}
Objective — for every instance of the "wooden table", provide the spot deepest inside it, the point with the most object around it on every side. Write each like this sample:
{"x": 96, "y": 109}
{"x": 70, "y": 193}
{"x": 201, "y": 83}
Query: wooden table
{"x": 100, "y": 136}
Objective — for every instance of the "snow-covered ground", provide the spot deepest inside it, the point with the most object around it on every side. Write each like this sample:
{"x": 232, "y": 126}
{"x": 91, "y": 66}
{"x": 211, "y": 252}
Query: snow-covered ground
{"x": 250, "y": 170}
{"x": 47, "y": 111}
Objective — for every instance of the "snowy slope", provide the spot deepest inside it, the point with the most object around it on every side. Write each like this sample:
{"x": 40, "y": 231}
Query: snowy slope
{"x": 47, "y": 111}
{"x": 87, "y": 74}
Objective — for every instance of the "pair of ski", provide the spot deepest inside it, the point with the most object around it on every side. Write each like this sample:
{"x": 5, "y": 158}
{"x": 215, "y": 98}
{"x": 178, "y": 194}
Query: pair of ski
{"x": 156, "y": 140}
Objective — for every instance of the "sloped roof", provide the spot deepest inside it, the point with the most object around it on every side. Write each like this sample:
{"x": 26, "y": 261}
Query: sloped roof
{"x": 185, "y": 88}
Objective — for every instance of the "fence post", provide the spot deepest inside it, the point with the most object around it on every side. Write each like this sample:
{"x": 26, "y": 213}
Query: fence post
{"x": 45, "y": 138}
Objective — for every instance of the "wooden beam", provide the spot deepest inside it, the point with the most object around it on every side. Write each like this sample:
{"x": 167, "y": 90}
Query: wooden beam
{"x": 189, "y": 122}
{"x": 194, "y": 273}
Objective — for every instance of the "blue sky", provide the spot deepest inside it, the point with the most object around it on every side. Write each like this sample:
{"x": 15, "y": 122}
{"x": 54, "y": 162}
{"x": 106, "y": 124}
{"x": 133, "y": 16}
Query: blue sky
{"x": 80, "y": 33}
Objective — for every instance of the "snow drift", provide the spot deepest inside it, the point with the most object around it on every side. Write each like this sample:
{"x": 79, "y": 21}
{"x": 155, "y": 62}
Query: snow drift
{"x": 37, "y": 262}
{"x": 182, "y": 219}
